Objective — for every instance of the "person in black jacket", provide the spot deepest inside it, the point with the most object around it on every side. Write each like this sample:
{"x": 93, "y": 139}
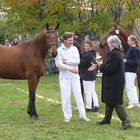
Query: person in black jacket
{"x": 113, "y": 80}
{"x": 131, "y": 63}
{"x": 89, "y": 77}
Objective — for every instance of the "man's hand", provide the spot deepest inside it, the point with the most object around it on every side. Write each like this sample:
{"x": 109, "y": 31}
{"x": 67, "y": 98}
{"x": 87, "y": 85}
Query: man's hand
{"x": 74, "y": 70}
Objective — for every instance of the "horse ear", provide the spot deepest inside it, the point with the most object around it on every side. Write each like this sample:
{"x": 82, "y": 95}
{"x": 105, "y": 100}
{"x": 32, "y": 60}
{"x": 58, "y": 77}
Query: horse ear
{"x": 47, "y": 26}
{"x": 116, "y": 28}
{"x": 114, "y": 25}
{"x": 61, "y": 39}
{"x": 57, "y": 26}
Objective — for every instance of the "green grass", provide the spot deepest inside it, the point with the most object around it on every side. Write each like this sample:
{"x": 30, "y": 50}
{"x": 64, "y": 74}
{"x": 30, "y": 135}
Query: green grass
{"x": 16, "y": 125}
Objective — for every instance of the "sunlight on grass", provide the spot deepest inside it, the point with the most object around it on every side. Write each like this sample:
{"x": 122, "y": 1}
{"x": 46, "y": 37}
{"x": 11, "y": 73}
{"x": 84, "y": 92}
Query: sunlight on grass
{"x": 16, "y": 125}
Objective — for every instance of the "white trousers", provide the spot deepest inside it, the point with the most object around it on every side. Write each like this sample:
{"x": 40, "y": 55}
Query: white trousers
{"x": 66, "y": 87}
{"x": 89, "y": 91}
{"x": 131, "y": 89}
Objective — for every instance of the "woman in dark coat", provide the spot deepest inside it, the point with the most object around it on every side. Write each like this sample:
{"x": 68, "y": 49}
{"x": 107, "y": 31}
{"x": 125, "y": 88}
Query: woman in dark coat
{"x": 89, "y": 77}
{"x": 113, "y": 83}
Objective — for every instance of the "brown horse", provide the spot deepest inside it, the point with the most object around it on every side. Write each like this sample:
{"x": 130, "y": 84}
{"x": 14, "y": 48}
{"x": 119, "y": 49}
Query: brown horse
{"x": 26, "y": 61}
{"x": 123, "y": 34}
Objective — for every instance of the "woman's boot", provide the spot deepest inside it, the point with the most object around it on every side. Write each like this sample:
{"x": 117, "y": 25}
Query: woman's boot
{"x": 123, "y": 117}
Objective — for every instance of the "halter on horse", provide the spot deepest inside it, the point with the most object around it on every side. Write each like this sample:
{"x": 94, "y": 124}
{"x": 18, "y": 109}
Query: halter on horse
{"x": 123, "y": 34}
{"x": 26, "y": 61}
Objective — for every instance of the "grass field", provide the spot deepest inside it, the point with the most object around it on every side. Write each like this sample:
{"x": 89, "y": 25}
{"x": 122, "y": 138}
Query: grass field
{"x": 16, "y": 125}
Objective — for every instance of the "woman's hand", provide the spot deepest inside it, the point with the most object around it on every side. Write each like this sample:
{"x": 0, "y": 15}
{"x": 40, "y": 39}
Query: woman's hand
{"x": 92, "y": 67}
{"x": 124, "y": 60}
{"x": 99, "y": 61}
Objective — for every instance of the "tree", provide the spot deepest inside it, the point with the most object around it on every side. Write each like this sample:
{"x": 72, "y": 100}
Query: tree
{"x": 84, "y": 16}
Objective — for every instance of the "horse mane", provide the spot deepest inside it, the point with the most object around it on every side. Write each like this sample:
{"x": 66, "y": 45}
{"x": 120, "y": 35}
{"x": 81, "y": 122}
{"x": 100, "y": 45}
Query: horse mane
{"x": 125, "y": 29}
{"x": 34, "y": 39}
{"x": 37, "y": 37}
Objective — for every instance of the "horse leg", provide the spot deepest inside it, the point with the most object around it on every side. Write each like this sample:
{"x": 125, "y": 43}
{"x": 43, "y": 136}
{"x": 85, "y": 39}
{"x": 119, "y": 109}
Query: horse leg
{"x": 32, "y": 83}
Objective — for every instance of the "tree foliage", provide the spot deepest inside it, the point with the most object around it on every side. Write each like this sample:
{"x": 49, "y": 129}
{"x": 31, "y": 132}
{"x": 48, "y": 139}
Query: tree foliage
{"x": 84, "y": 16}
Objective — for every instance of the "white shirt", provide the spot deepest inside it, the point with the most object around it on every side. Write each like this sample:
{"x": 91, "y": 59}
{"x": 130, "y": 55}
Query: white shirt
{"x": 65, "y": 59}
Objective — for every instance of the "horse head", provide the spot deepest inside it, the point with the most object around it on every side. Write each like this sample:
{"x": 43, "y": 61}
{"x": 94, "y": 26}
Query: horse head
{"x": 113, "y": 31}
{"x": 52, "y": 39}
{"x": 122, "y": 34}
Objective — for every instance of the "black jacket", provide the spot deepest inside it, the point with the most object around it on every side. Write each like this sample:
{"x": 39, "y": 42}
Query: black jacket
{"x": 85, "y": 63}
{"x": 132, "y": 59}
{"x": 113, "y": 78}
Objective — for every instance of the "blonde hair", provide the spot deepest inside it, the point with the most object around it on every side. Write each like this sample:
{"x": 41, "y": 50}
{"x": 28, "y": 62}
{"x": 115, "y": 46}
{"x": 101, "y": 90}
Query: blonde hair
{"x": 134, "y": 39}
{"x": 114, "y": 41}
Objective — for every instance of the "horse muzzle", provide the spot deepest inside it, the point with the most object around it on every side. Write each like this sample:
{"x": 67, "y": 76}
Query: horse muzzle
{"x": 54, "y": 54}
{"x": 53, "y": 50}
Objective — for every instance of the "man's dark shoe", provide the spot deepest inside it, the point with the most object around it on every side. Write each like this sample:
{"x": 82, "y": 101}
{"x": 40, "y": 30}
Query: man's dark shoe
{"x": 125, "y": 125}
{"x": 102, "y": 122}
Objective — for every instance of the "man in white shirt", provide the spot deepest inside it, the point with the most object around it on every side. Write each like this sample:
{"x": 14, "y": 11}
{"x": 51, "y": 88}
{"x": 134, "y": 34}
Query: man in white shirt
{"x": 67, "y": 61}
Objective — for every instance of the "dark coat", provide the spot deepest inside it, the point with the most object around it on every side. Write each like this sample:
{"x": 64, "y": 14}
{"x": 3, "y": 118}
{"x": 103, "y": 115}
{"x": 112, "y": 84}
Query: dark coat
{"x": 132, "y": 59}
{"x": 113, "y": 78}
{"x": 85, "y": 63}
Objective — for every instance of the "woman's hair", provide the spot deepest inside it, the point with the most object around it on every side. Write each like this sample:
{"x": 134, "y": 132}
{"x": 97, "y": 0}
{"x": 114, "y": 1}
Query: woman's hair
{"x": 89, "y": 43}
{"x": 134, "y": 39}
{"x": 67, "y": 35}
{"x": 114, "y": 41}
